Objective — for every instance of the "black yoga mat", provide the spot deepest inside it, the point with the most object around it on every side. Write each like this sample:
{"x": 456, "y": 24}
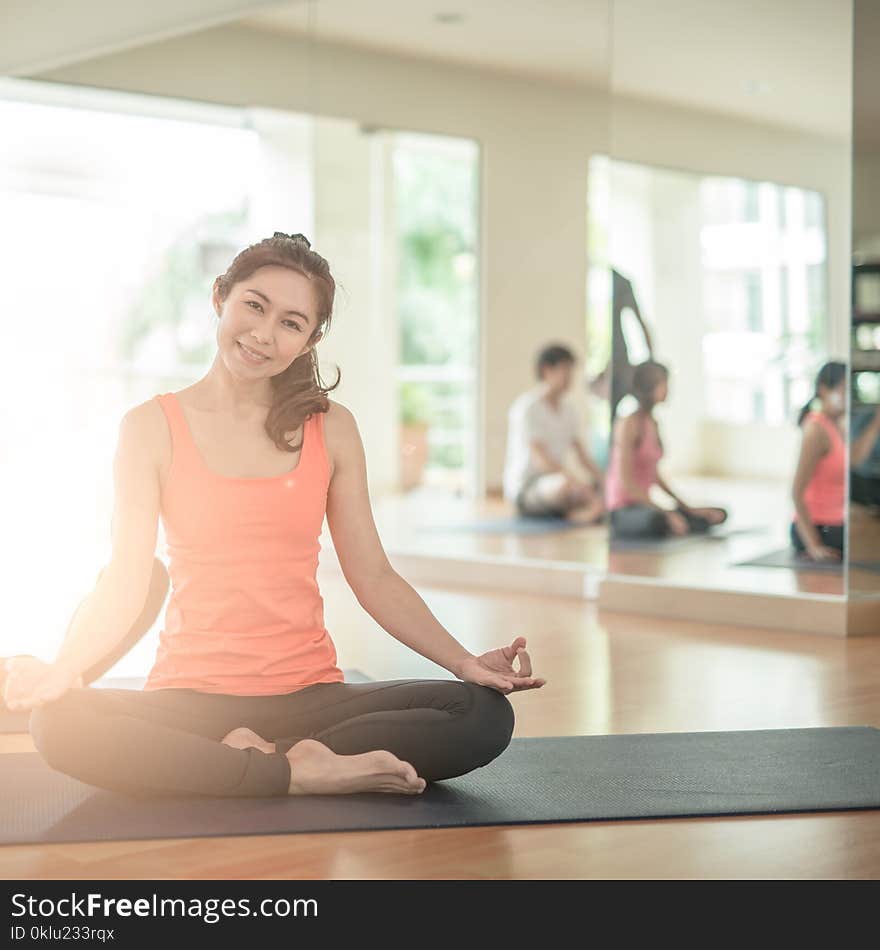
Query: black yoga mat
{"x": 555, "y": 779}
{"x": 785, "y": 557}
{"x": 12, "y": 721}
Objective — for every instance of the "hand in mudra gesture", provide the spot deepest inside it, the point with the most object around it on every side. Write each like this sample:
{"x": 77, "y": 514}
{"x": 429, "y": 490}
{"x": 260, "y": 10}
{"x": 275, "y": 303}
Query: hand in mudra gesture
{"x": 29, "y": 682}
{"x": 495, "y": 669}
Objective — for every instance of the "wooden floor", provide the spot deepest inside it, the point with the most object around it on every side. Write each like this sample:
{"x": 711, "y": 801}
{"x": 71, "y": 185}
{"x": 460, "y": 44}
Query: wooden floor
{"x": 607, "y": 673}
{"x": 418, "y": 523}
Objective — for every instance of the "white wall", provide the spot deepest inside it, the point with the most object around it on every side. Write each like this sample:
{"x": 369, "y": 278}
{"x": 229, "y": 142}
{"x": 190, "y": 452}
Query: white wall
{"x": 714, "y": 144}
{"x": 536, "y": 139}
{"x": 705, "y": 143}
{"x": 351, "y": 191}
{"x": 286, "y": 194}
{"x": 756, "y": 451}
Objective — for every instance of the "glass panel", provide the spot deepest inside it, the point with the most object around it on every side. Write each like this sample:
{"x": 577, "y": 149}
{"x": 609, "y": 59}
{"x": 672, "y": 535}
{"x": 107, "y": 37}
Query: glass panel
{"x": 435, "y": 207}
{"x": 864, "y": 507}
{"x": 729, "y": 202}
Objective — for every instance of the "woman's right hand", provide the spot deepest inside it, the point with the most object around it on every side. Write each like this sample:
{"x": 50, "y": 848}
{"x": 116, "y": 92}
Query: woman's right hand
{"x": 30, "y": 682}
{"x": 820, "y": 552}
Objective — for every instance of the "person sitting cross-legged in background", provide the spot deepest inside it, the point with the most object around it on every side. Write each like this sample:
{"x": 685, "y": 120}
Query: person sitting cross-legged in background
{"x": 542, "y": 430}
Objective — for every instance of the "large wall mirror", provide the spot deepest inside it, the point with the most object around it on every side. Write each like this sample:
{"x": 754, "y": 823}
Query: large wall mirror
{"x": 864, "y": 509}
{"x": 728, "y": 239}
{"x": 490, "y": 115}
{"x": 641, "y": 184}
{"x": 439, "y": 158}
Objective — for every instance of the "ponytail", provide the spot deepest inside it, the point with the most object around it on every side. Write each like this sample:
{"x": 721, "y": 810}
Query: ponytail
{"x": 806, "y": 410}
{"x": 830, "y": 375}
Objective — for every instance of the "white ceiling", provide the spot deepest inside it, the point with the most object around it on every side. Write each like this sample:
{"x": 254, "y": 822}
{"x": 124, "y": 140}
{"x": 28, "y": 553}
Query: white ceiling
{"x": 559, "y": 39}
{"x": 37, "y": 36}
{"x": 785, "y": 62}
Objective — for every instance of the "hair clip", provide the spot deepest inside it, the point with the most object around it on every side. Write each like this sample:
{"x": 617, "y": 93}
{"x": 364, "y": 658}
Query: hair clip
{"x": 293, "y": 237}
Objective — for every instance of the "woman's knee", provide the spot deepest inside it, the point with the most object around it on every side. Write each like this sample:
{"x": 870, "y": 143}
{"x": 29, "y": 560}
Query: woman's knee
{"x": 56, "y": 728}
{"x": 491, "y": 721}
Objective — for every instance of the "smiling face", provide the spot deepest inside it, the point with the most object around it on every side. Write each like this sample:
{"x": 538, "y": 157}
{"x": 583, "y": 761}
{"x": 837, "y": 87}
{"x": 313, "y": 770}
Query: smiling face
{"x": 274, "y": 313}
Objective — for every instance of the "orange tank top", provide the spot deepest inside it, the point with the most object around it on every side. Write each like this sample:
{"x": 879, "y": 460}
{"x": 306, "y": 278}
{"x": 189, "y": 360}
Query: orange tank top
{"x": 245, "y": 616}
{"x": 824, "y": 494}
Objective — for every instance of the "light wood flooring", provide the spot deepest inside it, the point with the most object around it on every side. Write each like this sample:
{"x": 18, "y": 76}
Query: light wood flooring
{"x": 607, "y": 673}
{"x": 417, "y": 523}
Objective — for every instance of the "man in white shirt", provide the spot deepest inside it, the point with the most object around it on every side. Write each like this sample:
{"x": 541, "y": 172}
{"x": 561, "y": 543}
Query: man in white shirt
{"x": 542, "y": 429}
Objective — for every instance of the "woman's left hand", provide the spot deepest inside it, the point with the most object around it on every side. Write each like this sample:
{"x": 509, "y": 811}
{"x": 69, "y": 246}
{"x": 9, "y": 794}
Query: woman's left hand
{"x": 29, "y": 682}
{"x": 712, "y": 515}
{"x": 495, "y": 669}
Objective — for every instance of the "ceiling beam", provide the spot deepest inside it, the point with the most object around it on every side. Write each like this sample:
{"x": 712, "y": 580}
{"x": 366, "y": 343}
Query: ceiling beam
{"x": 41, "y": 35}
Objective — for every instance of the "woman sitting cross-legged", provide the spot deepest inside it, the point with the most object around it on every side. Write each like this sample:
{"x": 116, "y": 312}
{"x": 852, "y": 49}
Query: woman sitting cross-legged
{"x": 819, "y": 485}
{"x": 636, "y": 451}
{"x": 245, "y": 697}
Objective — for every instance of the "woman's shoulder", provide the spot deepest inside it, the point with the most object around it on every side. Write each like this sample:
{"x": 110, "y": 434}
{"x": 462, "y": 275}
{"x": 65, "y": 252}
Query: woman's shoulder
{"x": 817, "y": 422}
{"x": 630, "y": 425}
{"x": 338, "y": 417}
{"x": 340, "y": 432}
{"x": 147, "y": 423}
{"x": 816, "y": 430}
{"x": 147, "y": 416}
{"x": 340, "y": 426}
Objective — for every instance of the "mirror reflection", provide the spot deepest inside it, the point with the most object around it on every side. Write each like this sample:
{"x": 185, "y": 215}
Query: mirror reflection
{"x": 438, "y": 163}
{"x": 581, "y": 330}
{"x": 864, "y": 504}
{"x": 728, "y": 198}
{"x": 734, "y": 276}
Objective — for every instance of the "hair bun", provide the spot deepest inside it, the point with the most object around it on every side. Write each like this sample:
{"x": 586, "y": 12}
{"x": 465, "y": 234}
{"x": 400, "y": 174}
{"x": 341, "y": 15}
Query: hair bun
{"x": 293, "y": 237}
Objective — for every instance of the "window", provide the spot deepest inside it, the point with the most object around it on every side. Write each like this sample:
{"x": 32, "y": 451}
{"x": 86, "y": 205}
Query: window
{"x": 107, "y": 207}
{"x": 738, "y": 266}
{"x": 753, "y": 302}
{"x": 764, "y": 338}
{"x": 436, "y": 191}
{"x": 751, "y": 200}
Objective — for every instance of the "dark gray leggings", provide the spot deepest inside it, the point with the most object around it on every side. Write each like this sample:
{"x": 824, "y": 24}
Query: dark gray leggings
{"x": 167, "y": 741}
{"x": 643, "y": 521}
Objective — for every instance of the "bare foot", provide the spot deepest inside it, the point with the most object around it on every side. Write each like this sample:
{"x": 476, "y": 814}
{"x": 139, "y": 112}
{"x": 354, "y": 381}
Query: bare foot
{"x": 244, "y": 738}
{"x": 317, "y": 770}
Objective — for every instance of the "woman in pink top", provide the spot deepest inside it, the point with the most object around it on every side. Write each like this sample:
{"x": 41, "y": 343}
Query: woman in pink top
{"x": 245, "y": 696}
{"x": 820, "y": 478}
{"x": 632, "y": 470}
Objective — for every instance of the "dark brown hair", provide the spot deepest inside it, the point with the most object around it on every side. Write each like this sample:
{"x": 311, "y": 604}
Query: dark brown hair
{"x": 645, "y": 378}
{"x": 298, "y": 392}
{"x": 552, "y": 355}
